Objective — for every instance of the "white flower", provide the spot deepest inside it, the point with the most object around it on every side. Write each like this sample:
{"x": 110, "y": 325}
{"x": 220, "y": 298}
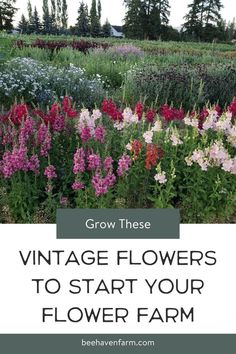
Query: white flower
{"x": 189, "y": 161}
{"x": 157, "y": 126}
{"x": 161, "y": 178}
{"x": 148, "y": 137}
{"x": 175, "y": 140}
{"x": 129, "y": 147}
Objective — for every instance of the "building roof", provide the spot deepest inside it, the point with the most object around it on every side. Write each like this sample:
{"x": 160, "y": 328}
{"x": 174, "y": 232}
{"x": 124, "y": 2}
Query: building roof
{"x": 118, "y": 28}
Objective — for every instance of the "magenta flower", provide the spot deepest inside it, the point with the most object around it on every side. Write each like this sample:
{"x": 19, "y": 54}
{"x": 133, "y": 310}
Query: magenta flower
{"x": 77, "y": 186}
{"x": 58, "y": 124}
{"x": 100, "y": 134}
{"x": 94, "y": 162}
{"x": 14, "y": 161}
{"x": 108, "y": 164}
{"x": 102, "y": 185}
{"x": 86, "y": 134}
{"x": 26, "y": 131}
{"x": 123, "y": 165}
{"x": 33, "y": 164}
{"x": 79, "y": 161}
{"x": 50, "y": 172}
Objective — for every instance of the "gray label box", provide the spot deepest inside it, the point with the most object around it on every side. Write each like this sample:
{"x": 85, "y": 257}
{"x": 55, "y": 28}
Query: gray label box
{"x": 112, "y": 343}
{"x": 118, "y": 223}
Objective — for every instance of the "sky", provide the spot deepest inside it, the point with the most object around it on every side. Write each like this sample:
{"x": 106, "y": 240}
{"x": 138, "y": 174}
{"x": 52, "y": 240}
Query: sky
{"x": 114, "y": 10}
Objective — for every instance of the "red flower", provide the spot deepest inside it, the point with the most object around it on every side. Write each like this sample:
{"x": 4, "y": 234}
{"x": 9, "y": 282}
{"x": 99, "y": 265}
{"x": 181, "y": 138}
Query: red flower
{"x": 232, "y": 108}
{"x": 139, "y": 110}
{"x": 153, "y": 154}
{"x": 137, "y": 148}
{"x": 18, "y": 113}
{"x": 170, "y": 113}
{"x": 109, "y": 107}
{"x": 150, "y": 115}
{"x": 219, "y": 110}
{"x": 167, "y": 113}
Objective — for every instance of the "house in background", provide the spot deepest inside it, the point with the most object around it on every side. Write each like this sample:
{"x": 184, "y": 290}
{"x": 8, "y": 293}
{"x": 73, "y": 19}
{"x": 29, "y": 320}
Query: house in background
{"x": 117, "y": 32}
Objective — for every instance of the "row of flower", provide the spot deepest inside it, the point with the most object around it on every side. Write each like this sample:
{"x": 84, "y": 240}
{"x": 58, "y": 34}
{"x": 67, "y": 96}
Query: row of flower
{"x": 117, "y": 158}
{"x": 81, "y": 45}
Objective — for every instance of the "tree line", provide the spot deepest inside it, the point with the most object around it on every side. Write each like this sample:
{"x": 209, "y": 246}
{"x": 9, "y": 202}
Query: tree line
{"x": 55, "y": 19}
{"x": 144, "y": 19}
{"x": 149, "y": 19}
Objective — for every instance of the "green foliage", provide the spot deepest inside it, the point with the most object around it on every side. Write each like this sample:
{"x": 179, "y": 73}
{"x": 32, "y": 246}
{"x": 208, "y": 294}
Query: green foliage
{"x": 106, "y": 29}
{"x": 95, "y": 26}
{"x": 146, "y": 19}
{"x": 203, "y": 19}
{"x": 82, "y": 25}
{"x": 7, "y": 12}
{"x": 181, "y": 85}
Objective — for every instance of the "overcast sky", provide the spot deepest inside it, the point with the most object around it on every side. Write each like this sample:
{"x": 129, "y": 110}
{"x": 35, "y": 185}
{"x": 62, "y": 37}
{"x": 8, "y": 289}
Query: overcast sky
{"x": 114, "y": 10}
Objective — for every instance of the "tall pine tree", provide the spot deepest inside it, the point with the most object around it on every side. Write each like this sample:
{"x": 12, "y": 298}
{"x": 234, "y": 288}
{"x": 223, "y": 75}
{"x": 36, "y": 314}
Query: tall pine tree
{"x": 106, "y": 29}
{"x": 23, "y": 24}
{"x": 203, "y": 19}
{"x": 30, "y": 18}
{"x": 7, "y": 12}
{"x": 59, "y": 9}
{"x": 99, "y": 10}
{"x": 46, "y": 18}
{"x": 36, "y": 21}
{"x": 95, "y": 27}
{"x": 194, "y": 19}
{"x": 146, "y": 18}
{"x": 134, "y": 19}
{"x": 53, "y": 17}
{"x": 82, "y": 26}
{"x": 64, "y": 14}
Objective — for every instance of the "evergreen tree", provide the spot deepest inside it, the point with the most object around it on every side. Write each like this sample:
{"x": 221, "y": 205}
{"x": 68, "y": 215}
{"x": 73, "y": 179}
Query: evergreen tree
{"x": 146, "y": 18}
{"x": 30, "y": 18}
{"x": 134, "y": 19}
{"x": 46, "y": 18}
{"x": 59, "y": 9}
{"x": 53, "y": 17}
{"x": 64, "y": 14}
{"x": 7, "y": 12}
{"x": 36, "y": 21}
{"x": 83, "y": 20}
{"x": 212, "y": 12}
{"x": 194, "y": 19}
{"x": 106, "y": 29}
{"x": 23, "y": 25}
{"x": 164, "y": 9}
{"x": 95, "y": 27}
{"x": 99, "y": 10}
{"x": 30, "y": 11}
{"x": 204, "y": 20}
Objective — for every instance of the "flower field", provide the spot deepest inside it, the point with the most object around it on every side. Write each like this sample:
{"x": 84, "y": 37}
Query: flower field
{"x": 116, "y": 126}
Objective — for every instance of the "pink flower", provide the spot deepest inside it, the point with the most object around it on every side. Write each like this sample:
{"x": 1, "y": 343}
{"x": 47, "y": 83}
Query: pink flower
{"x": 102, "y": 185}
{"x": 94, "y": 162}
{"x": 64, "y": 201}
{"x": 58, "y": 123}
{"x": 33, "y": 164}
{"x": 100, "y": 134}
{"x": 50, "y": 172}
{"x": 161, "y": 178}
{"x": 108, "y": 163}
{"x": 124, "y": 165}
{"x": 77, "y": 186}
{"x": 44, "y": 140}
{"x": 86, "y": 134}
{"x": 14, "y": 161}
{"x": 26, "y": 131}
{"x": 79, "y": 161}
